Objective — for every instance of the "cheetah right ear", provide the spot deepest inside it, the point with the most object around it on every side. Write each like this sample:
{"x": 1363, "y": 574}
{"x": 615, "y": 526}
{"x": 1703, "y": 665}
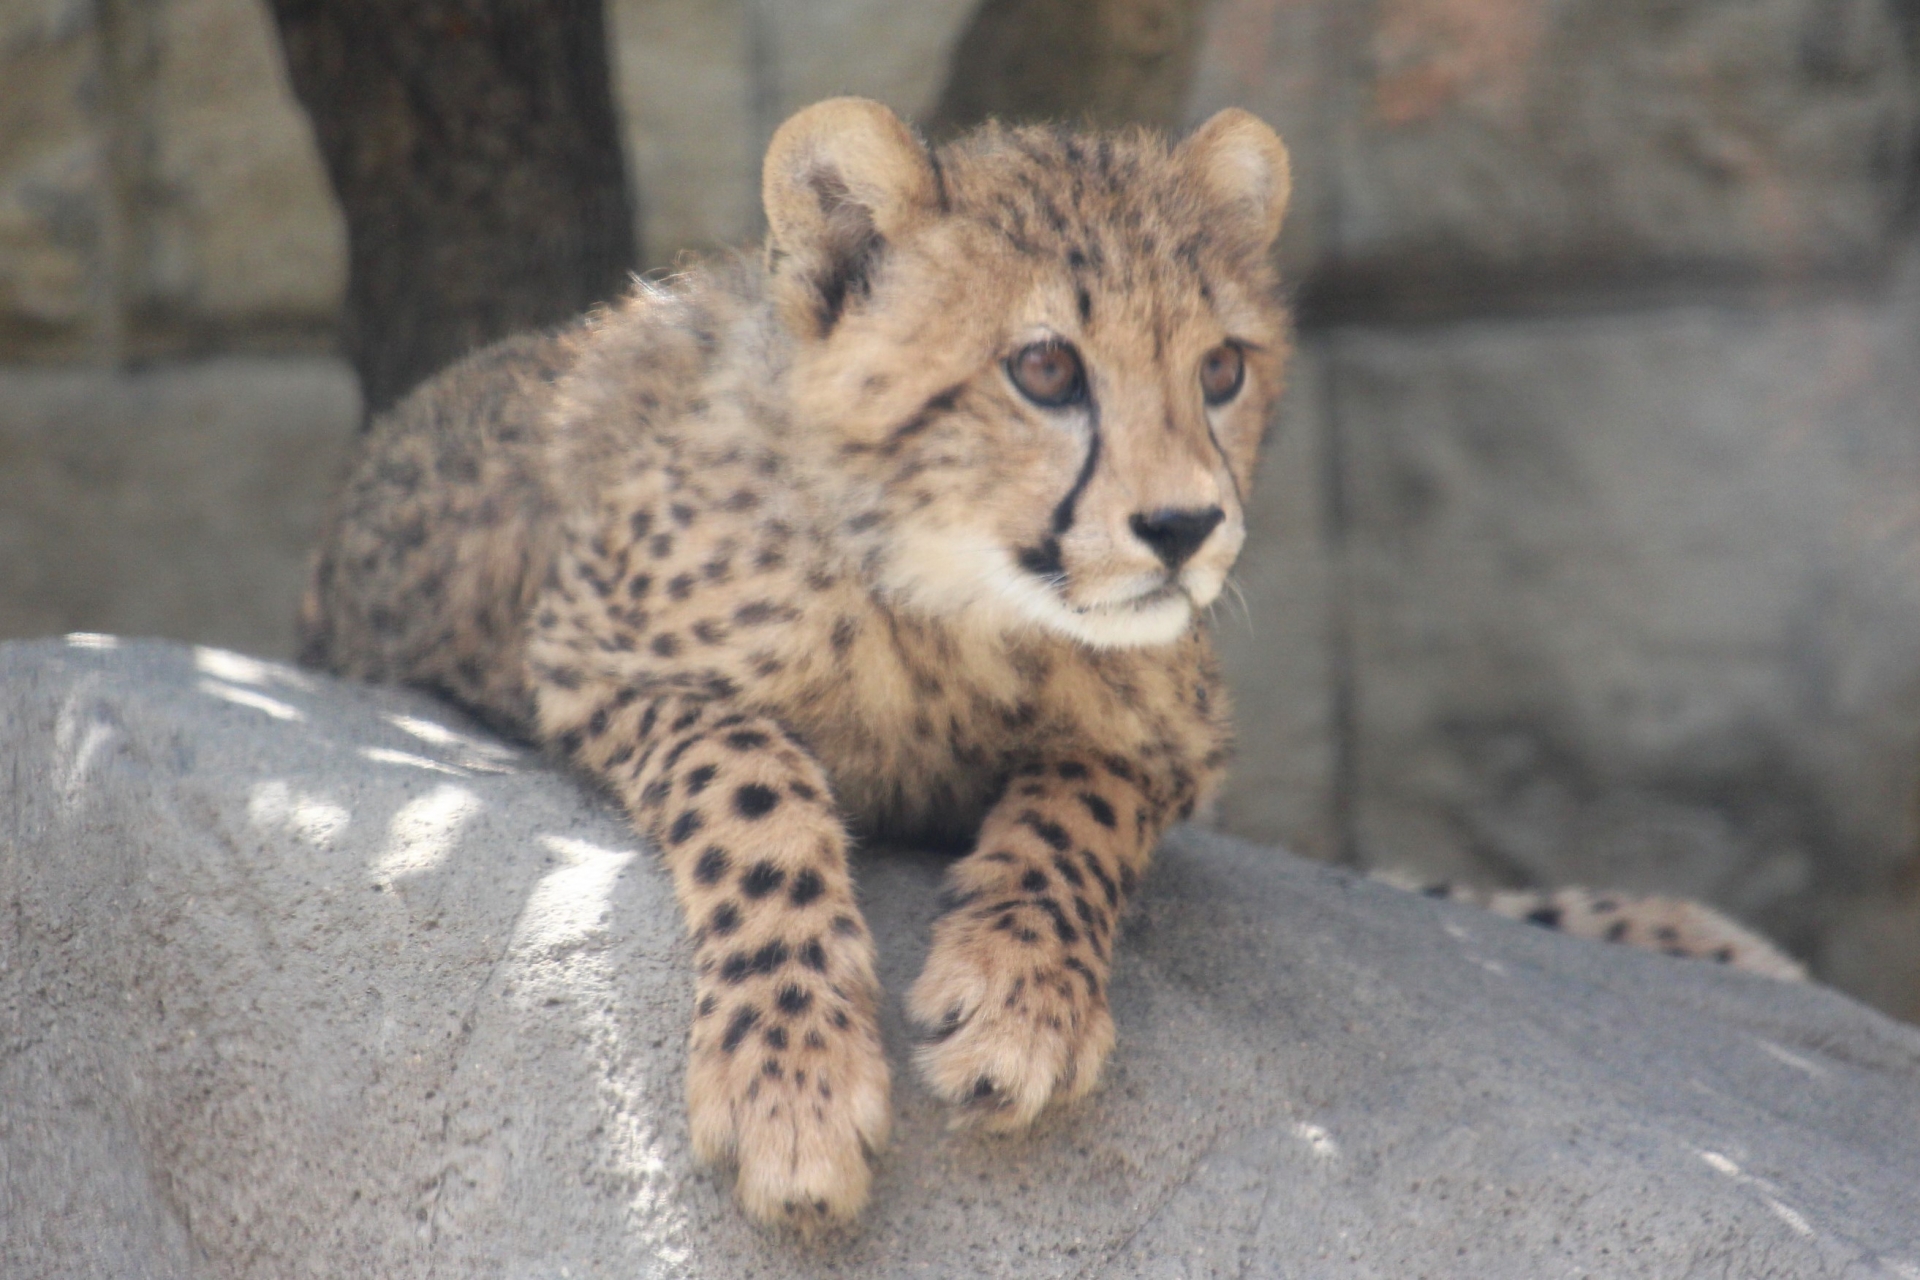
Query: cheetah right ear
{"x": 842, "y": 177}
{"x": 1244, "y": 165}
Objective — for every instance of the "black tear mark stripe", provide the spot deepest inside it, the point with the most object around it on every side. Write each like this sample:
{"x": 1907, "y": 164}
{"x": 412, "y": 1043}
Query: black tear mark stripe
{"x": 1044, "y": 560}
{"x": 1226, "y": 462}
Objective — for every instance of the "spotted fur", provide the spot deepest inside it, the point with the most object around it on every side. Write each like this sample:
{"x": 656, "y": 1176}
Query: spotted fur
{"x": 780, "y": 552}
{"x": 1671, "y": 926}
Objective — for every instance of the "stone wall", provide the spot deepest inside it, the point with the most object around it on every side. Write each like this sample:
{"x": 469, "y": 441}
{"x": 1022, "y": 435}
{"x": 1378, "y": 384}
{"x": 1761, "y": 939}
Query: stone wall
{"x": 1589, "y": 538}
{"x": 160, "y": 193}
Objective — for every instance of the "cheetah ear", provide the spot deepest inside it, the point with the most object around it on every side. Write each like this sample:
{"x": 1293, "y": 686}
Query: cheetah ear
{"x": 841, "y": 178}
{"x": 1242, "y": 164}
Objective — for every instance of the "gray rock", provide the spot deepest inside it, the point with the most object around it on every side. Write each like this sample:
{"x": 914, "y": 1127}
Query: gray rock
{"x": 298, "y": 978}
{"x": 238, "y": 230}
{"x": 1452, "y": 151}
{"x": 160, "y": 189}
{"x": 1275, "y": 630}
{"x": 178, "y": 501}
{"x": 1634, "y": 605}
{"x": 701, "y": 86}
{"x": 54, "y": 190}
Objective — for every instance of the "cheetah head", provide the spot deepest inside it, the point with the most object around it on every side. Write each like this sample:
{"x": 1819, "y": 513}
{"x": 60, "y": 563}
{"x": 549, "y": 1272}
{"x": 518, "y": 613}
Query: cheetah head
{"x": 1031, "y": 369}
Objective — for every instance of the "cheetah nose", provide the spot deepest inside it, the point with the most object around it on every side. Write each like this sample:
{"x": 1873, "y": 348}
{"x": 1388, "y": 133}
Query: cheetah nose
{"x": 1176, "y": 535}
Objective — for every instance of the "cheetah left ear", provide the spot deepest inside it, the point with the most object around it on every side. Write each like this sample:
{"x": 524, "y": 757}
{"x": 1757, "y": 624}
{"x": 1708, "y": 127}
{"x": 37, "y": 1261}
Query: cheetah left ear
{"x": 1243, "y": 164}
{"x": 841, "y": 178}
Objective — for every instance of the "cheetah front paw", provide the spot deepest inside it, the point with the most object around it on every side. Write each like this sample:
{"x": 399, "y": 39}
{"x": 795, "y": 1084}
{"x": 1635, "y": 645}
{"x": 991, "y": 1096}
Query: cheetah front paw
{"x": 796, "y": 1097}
{"x": 1009, "y": 1020}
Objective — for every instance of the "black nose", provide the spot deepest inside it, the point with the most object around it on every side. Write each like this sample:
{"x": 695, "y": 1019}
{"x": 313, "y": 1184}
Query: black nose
{"x": 1176, "y": 535}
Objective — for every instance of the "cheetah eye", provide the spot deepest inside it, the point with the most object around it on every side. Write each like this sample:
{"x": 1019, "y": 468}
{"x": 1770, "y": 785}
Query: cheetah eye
{"x": 1049, "y": 373}
{"x": 1222, "y": 370}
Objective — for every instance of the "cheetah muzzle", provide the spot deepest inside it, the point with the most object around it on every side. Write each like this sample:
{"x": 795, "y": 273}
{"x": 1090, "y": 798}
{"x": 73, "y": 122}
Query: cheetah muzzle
{"x": 904, "y": 527}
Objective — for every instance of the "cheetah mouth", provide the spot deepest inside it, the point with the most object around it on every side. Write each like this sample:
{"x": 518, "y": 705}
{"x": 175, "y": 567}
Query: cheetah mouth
{"x": 1151, "y": 598}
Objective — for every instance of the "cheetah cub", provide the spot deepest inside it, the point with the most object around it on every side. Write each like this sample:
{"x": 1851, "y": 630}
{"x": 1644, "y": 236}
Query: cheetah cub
{"x": 904, "y": 529}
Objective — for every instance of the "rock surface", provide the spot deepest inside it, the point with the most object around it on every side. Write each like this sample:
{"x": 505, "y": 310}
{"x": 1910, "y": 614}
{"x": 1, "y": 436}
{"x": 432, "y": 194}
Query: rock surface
{"x": 1634, "y": 603}
{"x": 160, "y": 190}
{"x": 299, "y": 978}
{"x": 179, "y": 501}
{"x": 1453, "y": 153}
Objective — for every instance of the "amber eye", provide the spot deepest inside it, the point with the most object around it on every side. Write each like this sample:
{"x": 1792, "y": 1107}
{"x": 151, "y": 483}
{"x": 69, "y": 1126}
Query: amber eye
{"x": 1049, "y": 374}
{"x": 1222, "y": 370}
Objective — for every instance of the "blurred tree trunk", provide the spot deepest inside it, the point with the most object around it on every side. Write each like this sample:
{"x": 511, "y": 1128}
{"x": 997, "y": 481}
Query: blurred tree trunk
{"x": 474, "y": 147}
{"x": 1100, "y": 62}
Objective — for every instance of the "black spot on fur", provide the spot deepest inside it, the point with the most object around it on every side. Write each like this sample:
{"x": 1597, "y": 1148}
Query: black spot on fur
{"x": 1068, "y": 872}
{"x": 746, "y": 740}
{"x": 712, "y": 867}
{"x": 1084, "y": 909}
{"x": 1102, "y": 811}
{"x": 762, "y": 879}
{"x": 725, "y": 919}
{"x": 666, "y": 644}
{"x": 1545, "y": 917}
{"x": 1093, "y": 983}
{"x": 742, "y": 1022}
{"x": 776, "y": 1037}
{"x": 770, "y": 957}
{"x": 1071, "y": 770}
{"x": 814, "y": 956}
{"x": 760, "y": 612}
{"x": 793, "y": 1001}
{"x": 1034, "y": 881}
{"x": 1061, "y": 926}
{"x": 1052, "y": 832}
{"x": 953, "y": 899}
{"x": 685, "y": 826}
{"x": 698, "y": 779}
{"x": 806, "y": 887}
{"x": 755, "y": 801}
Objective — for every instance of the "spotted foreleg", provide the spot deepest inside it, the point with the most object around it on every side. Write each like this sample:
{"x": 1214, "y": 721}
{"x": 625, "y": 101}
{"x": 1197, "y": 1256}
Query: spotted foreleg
{"x": 1012, "y": 1004}
{"x": 785, "y": 1073}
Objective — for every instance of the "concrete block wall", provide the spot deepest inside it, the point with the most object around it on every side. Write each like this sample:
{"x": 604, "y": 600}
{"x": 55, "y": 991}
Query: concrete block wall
{"x": 1586, "y": 548}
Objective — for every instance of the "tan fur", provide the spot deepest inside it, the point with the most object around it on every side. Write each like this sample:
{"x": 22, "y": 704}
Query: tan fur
{"x": 778, "y": 551}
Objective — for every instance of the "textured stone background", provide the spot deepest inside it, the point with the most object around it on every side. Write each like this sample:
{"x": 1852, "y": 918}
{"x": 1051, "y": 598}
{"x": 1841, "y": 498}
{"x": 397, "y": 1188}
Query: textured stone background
{"x": 1590, "y": 547}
